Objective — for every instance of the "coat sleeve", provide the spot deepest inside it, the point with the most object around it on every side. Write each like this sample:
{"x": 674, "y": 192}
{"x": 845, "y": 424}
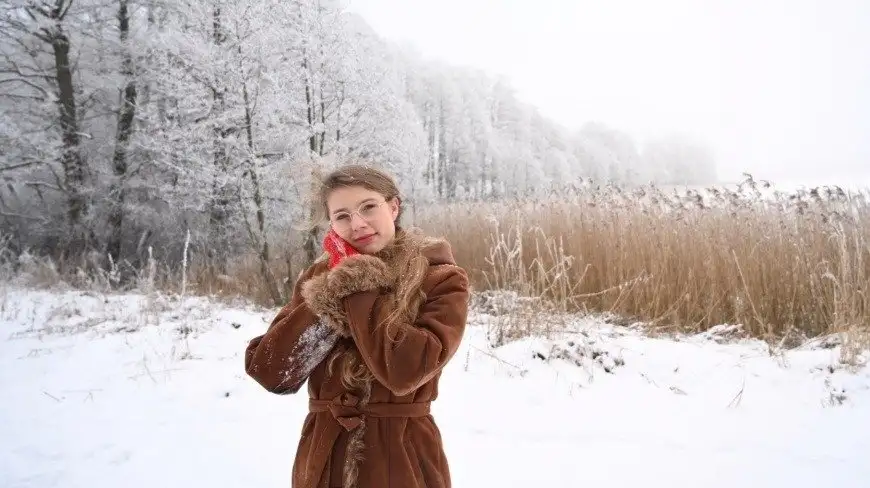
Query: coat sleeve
{"x": 294, "y": 344}
{"x": 415, "y": 352}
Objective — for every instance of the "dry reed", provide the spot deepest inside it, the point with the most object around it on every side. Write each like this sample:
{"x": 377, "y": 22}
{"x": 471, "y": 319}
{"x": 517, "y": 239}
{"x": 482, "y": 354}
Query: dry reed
{"x": 689, "y": 260}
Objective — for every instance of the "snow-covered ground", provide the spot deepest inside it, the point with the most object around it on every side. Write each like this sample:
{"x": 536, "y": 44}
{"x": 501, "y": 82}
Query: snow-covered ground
{"x": 137, "y": 391}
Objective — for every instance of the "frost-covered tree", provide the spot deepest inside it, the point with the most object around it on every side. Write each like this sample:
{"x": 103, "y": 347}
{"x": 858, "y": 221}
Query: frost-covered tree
{"x": 42, "y": 104}
{"x": 126, "y": 124}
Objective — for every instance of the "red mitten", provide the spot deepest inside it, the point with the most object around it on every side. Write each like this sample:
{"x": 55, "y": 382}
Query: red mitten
{"x": 337, "y": 248}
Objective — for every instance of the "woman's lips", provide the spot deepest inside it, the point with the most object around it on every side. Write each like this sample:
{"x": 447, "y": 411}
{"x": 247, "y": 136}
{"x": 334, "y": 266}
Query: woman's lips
{"x": 365, "y": 239}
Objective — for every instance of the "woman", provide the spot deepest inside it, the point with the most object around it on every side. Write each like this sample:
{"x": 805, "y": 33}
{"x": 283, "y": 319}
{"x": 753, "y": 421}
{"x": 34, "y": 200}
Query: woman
{"x": 370, "y": 326}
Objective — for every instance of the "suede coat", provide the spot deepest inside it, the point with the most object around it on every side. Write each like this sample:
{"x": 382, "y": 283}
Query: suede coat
{"x": 372, "y": 369}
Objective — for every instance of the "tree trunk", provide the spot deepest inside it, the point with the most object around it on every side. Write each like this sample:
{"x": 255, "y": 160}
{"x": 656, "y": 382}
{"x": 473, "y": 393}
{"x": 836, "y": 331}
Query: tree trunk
{"x": 126, "y": 115}
{"x": 71, "y": 159}
{"x": 309, "y": 245}
{"x": 221, "y": 196}
{"x": 442, "y": 154}
{"x": 264, "y": 255}
{"x": 430, "y": 159}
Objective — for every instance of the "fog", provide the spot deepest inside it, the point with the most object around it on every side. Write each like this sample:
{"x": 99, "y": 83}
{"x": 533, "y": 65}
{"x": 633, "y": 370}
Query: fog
{"x": 779, "y": 89}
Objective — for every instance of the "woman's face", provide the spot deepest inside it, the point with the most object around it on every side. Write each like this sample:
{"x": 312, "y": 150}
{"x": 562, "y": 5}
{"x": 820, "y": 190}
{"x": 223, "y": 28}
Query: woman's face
{"x": 362, "y": 217}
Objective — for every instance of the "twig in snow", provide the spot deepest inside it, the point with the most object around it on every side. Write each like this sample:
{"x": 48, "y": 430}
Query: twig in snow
{"x": 58, "y": 400}
{"x": 90, "y": 393}
{"x": 521, "y": 370}
{"x": 735, "y": 402}
{"x": 649, "y": 380}
{"x": 147, "y": 372}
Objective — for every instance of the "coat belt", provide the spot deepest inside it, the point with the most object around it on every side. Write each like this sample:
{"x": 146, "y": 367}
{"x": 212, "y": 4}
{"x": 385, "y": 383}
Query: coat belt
{"x": 348, "y": 414}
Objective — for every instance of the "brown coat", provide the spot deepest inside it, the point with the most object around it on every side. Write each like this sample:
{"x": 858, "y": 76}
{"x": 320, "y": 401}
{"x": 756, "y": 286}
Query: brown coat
{"x": 370, "y": 386}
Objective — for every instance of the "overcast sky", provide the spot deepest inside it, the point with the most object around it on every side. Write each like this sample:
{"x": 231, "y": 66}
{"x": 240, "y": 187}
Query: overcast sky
{"x": 773, "y": 86}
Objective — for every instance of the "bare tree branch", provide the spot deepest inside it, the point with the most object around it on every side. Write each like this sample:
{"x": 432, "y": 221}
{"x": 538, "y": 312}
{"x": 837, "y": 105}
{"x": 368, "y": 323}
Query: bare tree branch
{"x": 28, "y": 83}
{"x": 35, "y": 184}
{"x": 65, "y": 10}
{"x": 19, "y": 166}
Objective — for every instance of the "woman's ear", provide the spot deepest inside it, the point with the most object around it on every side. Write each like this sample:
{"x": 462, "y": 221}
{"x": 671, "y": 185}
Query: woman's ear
{"x": 395, "y": 203}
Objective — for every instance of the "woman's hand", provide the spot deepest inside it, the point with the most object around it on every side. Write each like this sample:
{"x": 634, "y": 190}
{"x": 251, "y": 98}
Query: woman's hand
{"x": 337, "y": 248}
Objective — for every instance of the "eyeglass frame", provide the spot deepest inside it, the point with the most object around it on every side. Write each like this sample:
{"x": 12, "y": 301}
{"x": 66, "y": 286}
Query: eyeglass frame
{"x": 358, "y": 211}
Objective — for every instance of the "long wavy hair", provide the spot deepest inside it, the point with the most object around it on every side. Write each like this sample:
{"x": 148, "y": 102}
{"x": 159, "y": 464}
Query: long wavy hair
{"x": 408, "y": 265}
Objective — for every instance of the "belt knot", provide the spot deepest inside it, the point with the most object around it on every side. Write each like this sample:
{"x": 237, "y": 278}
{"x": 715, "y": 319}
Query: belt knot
{"x": 345, "y": 409}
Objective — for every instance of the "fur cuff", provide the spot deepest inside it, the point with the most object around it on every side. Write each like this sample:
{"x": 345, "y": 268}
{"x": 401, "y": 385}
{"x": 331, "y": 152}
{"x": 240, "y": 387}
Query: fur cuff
{"x": 324, "y": 294}
{"x": 322, "y": 303}
{"x": 358, "y": 273}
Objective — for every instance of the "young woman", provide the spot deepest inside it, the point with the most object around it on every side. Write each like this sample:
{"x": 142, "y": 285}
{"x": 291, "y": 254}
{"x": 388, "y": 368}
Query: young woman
{"x": 370, "y": 326}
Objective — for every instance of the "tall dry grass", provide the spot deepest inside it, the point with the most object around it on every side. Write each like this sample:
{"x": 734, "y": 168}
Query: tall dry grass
{"x": 777, "y": 263}
{"x": 771, "y": 261}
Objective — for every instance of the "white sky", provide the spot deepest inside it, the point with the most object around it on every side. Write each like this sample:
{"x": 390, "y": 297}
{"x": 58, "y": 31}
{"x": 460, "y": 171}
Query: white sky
{"x": 774, "y": 86}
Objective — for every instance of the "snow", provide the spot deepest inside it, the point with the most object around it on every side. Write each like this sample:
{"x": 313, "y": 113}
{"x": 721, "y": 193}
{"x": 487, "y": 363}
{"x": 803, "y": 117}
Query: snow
{"x": 143, "y": 391}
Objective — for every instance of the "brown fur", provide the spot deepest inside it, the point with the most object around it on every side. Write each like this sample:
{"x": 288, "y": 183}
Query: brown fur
{"x": 398, "y": 270}
{"x": 324, "y": 293}
{"x": 354, "y": 455}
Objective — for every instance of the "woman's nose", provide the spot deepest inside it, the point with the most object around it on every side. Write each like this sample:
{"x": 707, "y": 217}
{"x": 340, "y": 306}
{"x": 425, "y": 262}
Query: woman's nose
{"x": 356, "y": 221}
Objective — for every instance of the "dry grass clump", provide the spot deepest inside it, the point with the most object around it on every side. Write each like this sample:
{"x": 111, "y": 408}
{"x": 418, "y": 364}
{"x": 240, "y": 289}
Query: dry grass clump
{"x": 684, "y": 260}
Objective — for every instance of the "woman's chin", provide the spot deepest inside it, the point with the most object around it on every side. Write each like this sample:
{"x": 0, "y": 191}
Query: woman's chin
{"x": 372, "y": 247}
{"x": 369, "y": 247}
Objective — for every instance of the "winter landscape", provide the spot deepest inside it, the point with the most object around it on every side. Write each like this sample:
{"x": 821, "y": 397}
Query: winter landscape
{"x": 666, "y": 229}
{"x": 142, "y": 390}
